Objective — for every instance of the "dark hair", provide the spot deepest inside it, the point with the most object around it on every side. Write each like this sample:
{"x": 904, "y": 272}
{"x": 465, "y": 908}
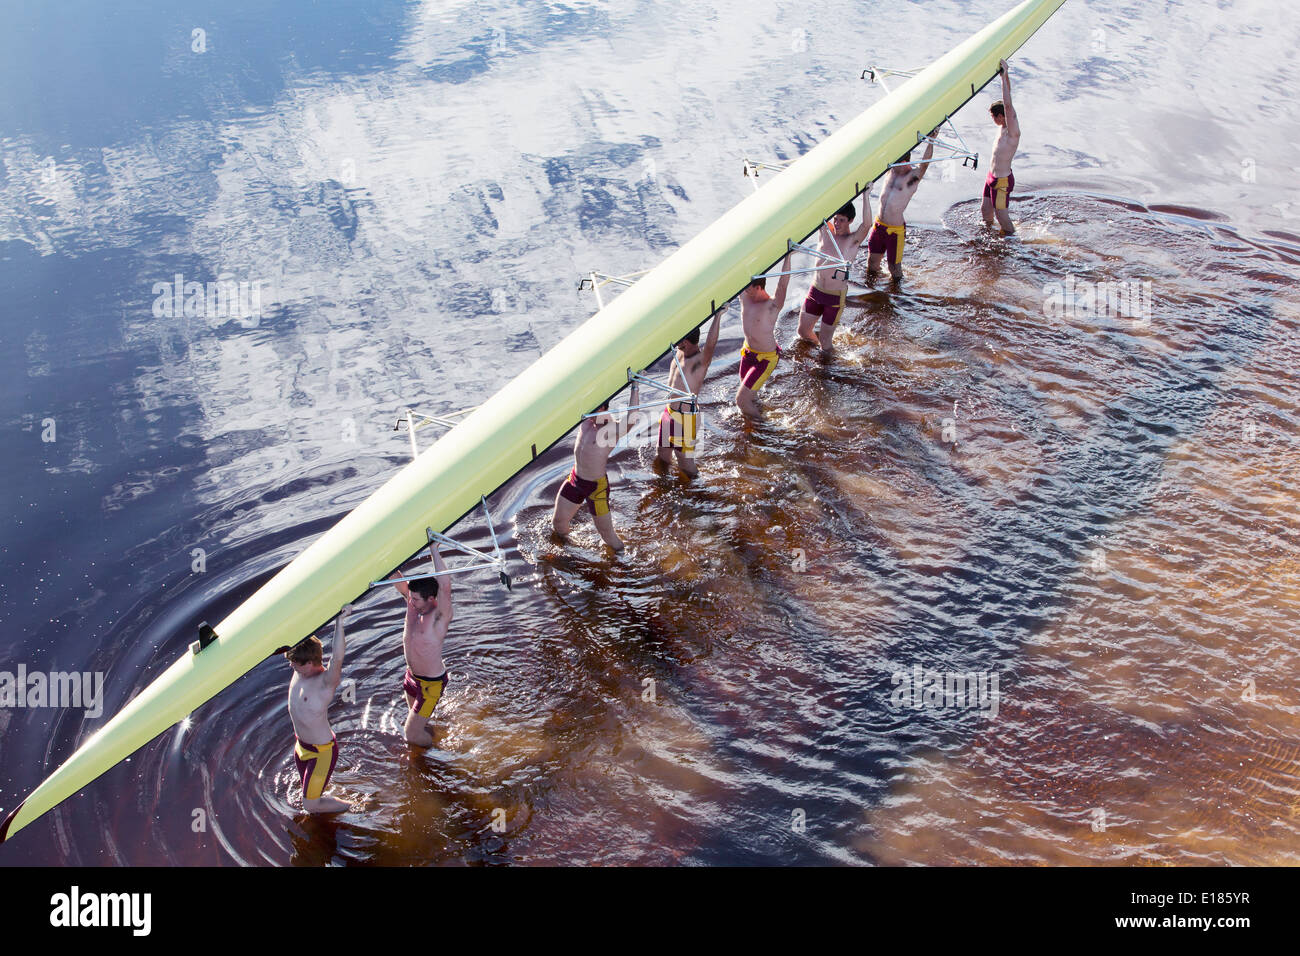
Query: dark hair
{"x": 307, "y": 651}
{"x": 997, "y": 109}
{"x": 847, "y": 211}
{"x": 425, "y": 587}
{"x": 907, "y": 157}
{"x": 760, "y": 281}
{"x": 693, "y": 336}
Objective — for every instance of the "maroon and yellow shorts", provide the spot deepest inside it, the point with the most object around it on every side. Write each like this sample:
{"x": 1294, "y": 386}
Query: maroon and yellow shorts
{"x": 828, "y": 305}
{"x": 678, "y": 429}
{"x": 997, "y": 189}
{"x": 755, "y": 367}
{"x": 595, "y": 493}
{"x": 887, "y": 240}
{"x": 315, "y": 763}
{"x": 423, "y": 693}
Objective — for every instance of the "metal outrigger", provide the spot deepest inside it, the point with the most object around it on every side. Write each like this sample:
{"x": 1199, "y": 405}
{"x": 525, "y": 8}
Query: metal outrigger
{"x": 836, "y": 263}
{"x": 752, "y": 167}
{"x": 594, "y": 280}
{"x": 448, "y": 420}
{"x": 496, "y": 561}
{"x": 957, "y": 150}
{"x": 640, "y": 378}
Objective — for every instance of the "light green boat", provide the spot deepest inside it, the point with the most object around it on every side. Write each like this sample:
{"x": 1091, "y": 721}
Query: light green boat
{"x": 503, "y": 435}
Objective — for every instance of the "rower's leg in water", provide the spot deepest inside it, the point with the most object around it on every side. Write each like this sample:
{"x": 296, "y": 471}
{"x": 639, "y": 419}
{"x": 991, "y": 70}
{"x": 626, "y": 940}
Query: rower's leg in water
{"x": 825, "y": 335}
{"x": 564, "y": 512}
{"x": 687, "y": 462}
{"x": 986, "y": 210}
{"x": 666, "y": 454}
{"x": 417, "y": 730}
{"x": 1004, "y": 220}
{"x": 326, "y": 805}
{"x": 605, "y": 525}
{"x": 806, "y": 322}
{"x": 873, "y": 266}
{"x": 747, "y": 402}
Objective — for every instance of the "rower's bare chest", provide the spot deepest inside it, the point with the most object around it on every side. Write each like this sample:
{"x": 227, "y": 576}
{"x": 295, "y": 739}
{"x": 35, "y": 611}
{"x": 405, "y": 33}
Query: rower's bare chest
{"x": 897, "y": 187}
{"x": 761, "y": 312}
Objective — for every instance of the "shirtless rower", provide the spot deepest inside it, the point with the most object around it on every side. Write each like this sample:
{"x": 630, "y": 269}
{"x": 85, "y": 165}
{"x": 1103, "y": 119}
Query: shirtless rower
{"x": 679, "y": 423}
{"x": 889, "y": 231}
{"x": 312, "y": 687}
{"x": 758, "y": 314}
{"x": 827, "y": 292}
{"x": 428, "y": 613}
{"x": 1000, "y": 182}
{"x": 588, "y": 481}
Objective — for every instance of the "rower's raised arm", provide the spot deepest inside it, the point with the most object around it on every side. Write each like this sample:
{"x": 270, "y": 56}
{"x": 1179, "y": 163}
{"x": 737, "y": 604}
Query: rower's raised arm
{"x": 1013, "y": 124}
{"x": 401, "y": 586}
{"x": 633, "y": 400}
{"x": 711, "y": 340}
{"x": 924, "y": 164}
{"x": 335, "y": 672}
{"x": 444, "y": 581}
{"x": 783, "y": 284}
{"x": 864, "y": 227}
